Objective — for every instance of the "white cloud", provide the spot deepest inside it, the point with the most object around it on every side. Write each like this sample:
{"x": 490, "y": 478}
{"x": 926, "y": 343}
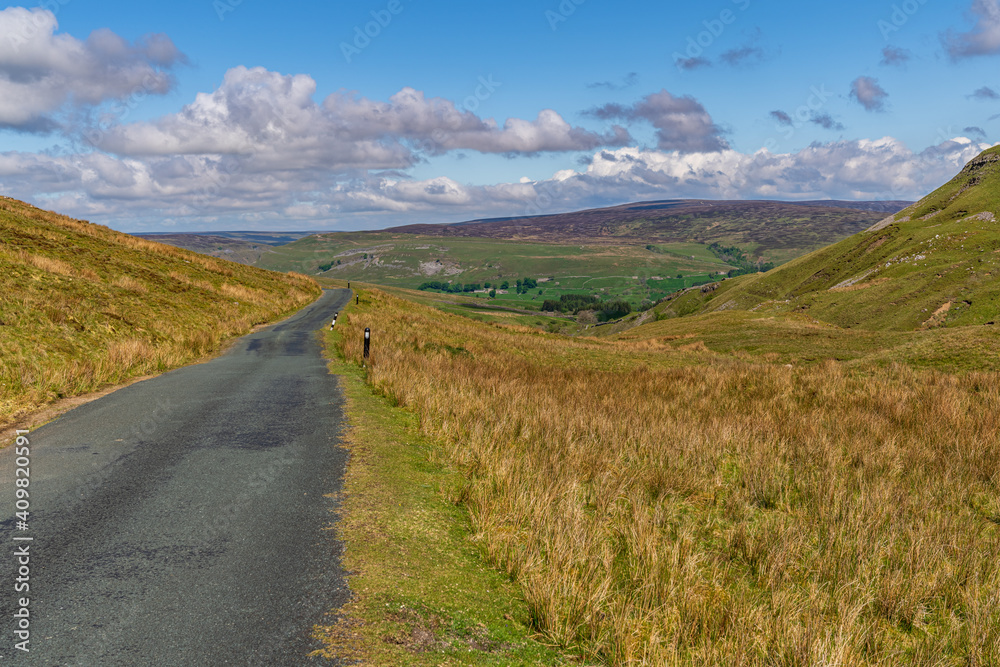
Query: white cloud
{"x": 895, "y": 56}
{"x": 681, "y": 123}
{"x": 273, "y": 118}
{"x": 983, "y": 39}
{"x": 43, "y": 73}
{"x": 869, "y": 93}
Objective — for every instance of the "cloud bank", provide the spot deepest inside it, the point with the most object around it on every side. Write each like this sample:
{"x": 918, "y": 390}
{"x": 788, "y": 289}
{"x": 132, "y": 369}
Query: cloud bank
{"x": 200, "y": 190}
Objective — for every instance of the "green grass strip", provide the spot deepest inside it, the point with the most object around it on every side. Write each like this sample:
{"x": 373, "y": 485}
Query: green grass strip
{"x": 422, "y": 594}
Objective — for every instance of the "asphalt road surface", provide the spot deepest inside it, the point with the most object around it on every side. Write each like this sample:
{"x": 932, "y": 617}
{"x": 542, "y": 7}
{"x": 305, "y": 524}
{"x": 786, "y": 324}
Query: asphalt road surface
{"x": 184, "y": 520}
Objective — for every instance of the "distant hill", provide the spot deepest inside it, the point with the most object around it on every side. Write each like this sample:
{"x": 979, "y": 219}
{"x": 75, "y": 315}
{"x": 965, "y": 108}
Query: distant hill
{"x": 242, "y": 247}
{"x": 262, "y": 238}
{"x": 235, "y": 250}
{"x": 772, "y": 230}
{"x": 935, "y": 263}
{"x": 880, "y": 206}
{"x": 84, "y": 306}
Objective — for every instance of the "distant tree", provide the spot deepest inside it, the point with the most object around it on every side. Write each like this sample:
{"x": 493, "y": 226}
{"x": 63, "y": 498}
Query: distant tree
{"x": 613, "y": 310}
{"x": 493, "y": 294}
{"x": 505, "y": 285}
{"x": 540, "y": 291}
{"x": 487, "y": 285}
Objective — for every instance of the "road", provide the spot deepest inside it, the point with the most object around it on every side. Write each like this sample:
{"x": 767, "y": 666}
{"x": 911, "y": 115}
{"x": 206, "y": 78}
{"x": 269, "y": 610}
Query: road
{"x": 184, "y": 520}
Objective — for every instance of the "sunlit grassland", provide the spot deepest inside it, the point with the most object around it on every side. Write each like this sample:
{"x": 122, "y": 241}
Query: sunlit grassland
{"x": 83, "y": 306}
{"x": 670, "y": 500}
{"x": 629, "y": 271}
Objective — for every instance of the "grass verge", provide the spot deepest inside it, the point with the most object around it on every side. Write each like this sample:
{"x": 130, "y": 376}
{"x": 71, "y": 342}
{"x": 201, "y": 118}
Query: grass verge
{"x": 422, "y": 593}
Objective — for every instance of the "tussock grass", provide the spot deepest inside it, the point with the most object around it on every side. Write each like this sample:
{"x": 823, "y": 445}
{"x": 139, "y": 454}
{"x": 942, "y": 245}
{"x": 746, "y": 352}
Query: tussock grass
{"x": 83, "y": 306}
{"x": 667, "y": 506}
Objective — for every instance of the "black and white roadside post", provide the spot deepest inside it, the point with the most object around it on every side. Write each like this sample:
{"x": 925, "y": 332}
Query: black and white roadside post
{"x": 348, "y": 284}
{"x": 368, "y": 341}
{"x": 357, "y": 300}
{"x": 334, "y": 323}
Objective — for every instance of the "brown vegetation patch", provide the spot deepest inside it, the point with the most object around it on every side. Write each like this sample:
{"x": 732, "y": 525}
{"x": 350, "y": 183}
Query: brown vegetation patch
{"x": 423, "y": 631}
{"x": 937, "y": 319}
{"x": 129, "y": 283}
{"x": 859, "y": 286}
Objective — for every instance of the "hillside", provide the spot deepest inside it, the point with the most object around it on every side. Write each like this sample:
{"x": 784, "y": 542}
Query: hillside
{"x": 84, "y": 306}
{"x": 775, "y": 231}
{"x": 932, "y": 264}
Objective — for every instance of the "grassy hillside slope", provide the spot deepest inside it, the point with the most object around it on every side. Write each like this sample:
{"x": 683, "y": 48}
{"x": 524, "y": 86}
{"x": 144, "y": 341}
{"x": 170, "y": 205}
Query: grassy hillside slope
{"x": 933, "y": 264}
{"x": 83, "y": 306}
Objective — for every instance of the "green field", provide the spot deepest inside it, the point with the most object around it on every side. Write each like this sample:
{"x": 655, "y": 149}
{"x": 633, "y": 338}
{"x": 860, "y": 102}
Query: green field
{"x": 631, "y": 272}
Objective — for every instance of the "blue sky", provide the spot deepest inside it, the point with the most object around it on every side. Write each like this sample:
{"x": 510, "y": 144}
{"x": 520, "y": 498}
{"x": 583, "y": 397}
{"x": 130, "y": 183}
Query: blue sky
{"x": 229, "y": 114}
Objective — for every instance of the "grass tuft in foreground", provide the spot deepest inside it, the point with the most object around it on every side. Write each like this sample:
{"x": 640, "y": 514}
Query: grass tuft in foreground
{"x": 664, "y": 504}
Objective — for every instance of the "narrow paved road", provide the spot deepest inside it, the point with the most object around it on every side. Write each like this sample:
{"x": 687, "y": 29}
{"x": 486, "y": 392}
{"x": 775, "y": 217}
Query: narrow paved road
{"x": 184, "y": 520}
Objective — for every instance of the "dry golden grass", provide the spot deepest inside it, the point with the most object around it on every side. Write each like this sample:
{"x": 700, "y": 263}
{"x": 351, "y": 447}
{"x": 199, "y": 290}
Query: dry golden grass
{"x": 129, "y": 283}
{"x": 48, "y": 264}
{"x": 242, "y": 293}
{"x": 662, "y": 506}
